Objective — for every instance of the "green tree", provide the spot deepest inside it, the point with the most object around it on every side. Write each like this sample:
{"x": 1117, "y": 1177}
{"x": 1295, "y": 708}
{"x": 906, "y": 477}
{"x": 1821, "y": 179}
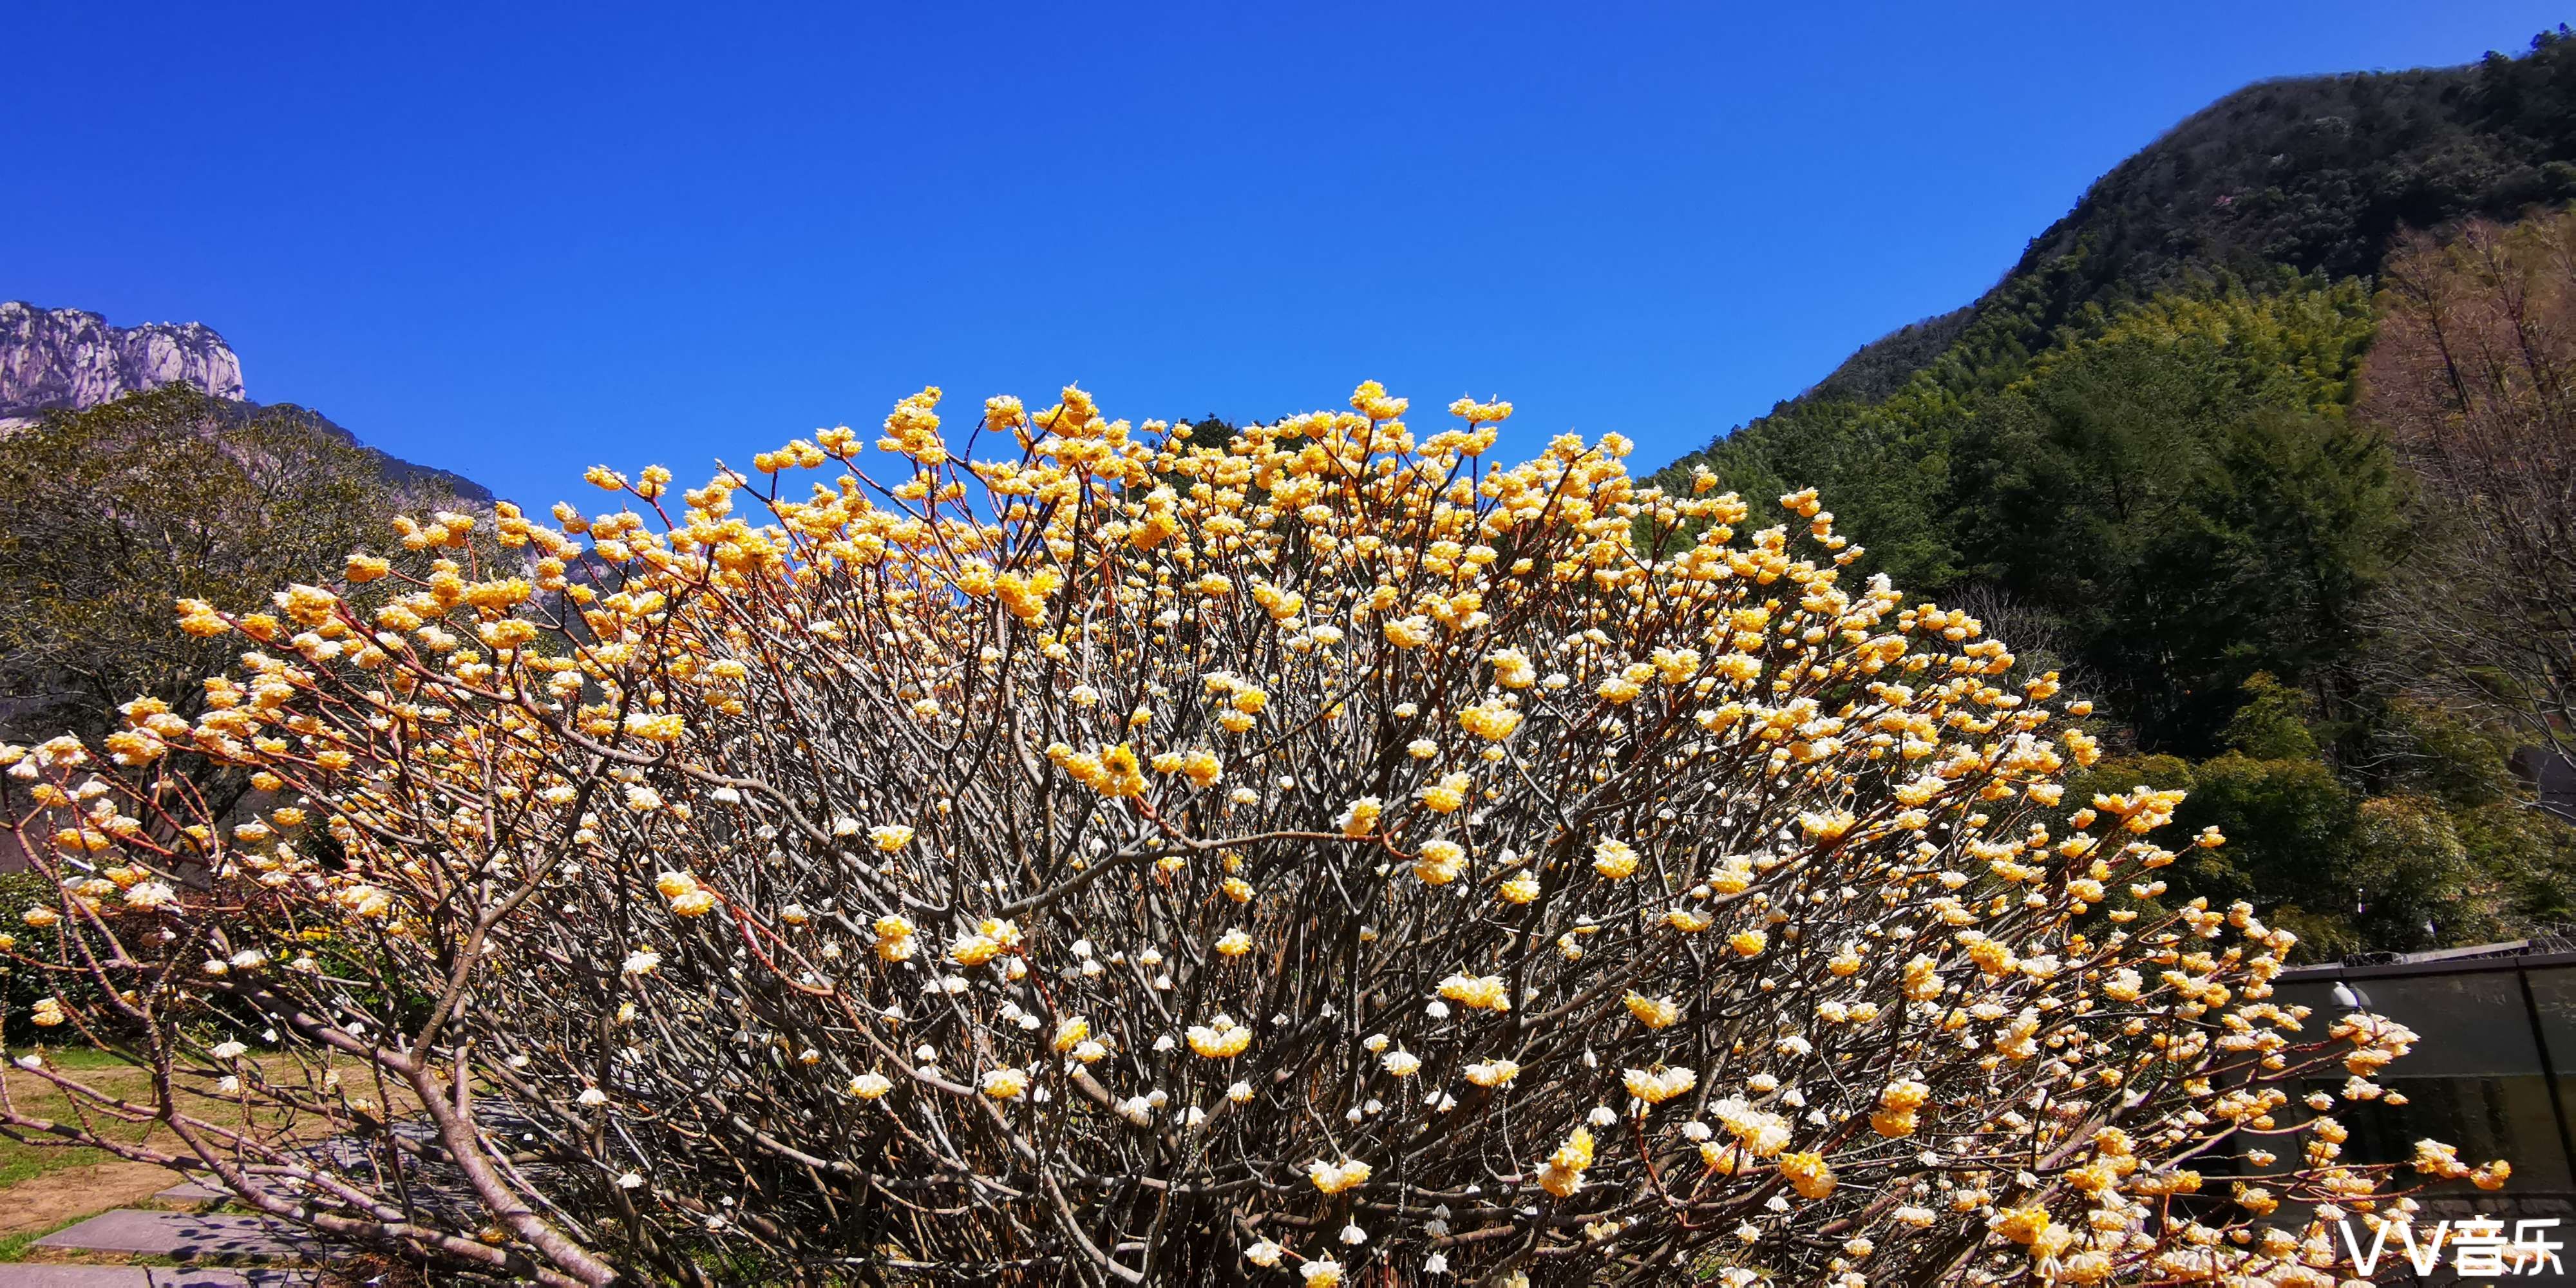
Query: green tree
{"x": 2273, "y": 723}
{"x": 111, "y": 514}
{"x": 2439, "y": 856}
{"x": 2192, "y": 527}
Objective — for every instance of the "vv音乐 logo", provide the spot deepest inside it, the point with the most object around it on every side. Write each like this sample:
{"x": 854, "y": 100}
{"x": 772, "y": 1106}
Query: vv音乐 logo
{"x": 2475, "y": 1245}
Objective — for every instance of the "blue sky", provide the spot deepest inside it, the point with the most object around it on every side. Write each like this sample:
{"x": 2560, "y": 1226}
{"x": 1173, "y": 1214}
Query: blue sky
{"x": 515, "y": 240}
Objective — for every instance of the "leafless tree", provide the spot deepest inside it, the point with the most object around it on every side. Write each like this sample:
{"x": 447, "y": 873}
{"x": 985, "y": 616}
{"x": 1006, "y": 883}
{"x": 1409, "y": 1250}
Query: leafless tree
{"x": 2471, "y": 378}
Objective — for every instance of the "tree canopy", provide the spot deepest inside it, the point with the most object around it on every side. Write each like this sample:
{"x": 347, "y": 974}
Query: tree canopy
{"x": 110, "y": 515}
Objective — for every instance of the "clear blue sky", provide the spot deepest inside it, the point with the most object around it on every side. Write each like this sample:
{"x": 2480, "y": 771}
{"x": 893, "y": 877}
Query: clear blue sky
{"x": 516, "y": 240}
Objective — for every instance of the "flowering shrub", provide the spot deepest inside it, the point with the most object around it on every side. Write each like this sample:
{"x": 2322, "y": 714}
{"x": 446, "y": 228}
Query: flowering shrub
{"x": 1130, "y": 860}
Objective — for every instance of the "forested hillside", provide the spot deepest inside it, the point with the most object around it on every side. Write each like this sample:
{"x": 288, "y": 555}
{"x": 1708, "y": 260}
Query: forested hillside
{"x": 2147, "y": 456}
{"x": 2314, "y": 174}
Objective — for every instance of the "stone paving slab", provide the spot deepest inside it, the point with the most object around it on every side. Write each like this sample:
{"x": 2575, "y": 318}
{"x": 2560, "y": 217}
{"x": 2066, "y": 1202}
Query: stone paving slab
{"x": 182, "y": 1236}
{"x": 208, "y": 1190}
{"x": 29, "y": 1275}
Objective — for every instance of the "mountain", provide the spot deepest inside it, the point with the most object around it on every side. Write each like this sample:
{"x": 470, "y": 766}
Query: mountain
{"x": 2151, "y": 354}
{"x": 2226, "y": 269}
{"x": 2312, "y": 175}
{"x": 2157, "y": 458}
{"x": 67, "y": 358}
{"x": 64, "y": 359}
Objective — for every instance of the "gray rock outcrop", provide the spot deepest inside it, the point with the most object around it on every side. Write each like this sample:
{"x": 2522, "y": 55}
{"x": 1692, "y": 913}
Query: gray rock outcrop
{"x": 70, "y": 358}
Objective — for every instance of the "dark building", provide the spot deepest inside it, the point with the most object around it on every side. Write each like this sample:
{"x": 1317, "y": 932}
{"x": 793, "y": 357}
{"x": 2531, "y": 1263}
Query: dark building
{"x": 2552, "y": 777}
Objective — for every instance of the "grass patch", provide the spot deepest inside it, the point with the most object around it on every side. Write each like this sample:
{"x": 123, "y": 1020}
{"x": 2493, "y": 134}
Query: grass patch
{"x": 75, "y": 1058}
{"x": 34, "y": 1096}
{"x": 14, "y": 1247}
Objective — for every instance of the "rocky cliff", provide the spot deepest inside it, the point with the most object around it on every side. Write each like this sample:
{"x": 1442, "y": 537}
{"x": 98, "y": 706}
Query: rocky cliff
{"x": 68, "y": 359}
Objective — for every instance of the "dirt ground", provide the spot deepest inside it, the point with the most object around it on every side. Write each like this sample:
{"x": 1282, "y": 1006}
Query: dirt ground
{"x": 45, "y": 1186}
{"x": 51, "y": 1198}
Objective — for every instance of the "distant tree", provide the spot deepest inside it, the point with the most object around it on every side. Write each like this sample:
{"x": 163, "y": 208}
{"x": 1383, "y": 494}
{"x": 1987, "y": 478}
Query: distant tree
{"x": 2189, "y": 529}
{"x": 1212, "y": 430}
{"x": 2474, "y": 379}
{"x": 2273, "y": 723}
{"x": 110, "y": 515}
{"x": 2431, "y": 855}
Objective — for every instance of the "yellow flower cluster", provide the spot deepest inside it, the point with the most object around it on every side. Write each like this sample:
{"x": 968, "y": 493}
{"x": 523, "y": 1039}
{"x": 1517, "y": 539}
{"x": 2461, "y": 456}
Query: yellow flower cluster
{"x": 1562, "y": 1173}
{"x": 1220, "y": 1038}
